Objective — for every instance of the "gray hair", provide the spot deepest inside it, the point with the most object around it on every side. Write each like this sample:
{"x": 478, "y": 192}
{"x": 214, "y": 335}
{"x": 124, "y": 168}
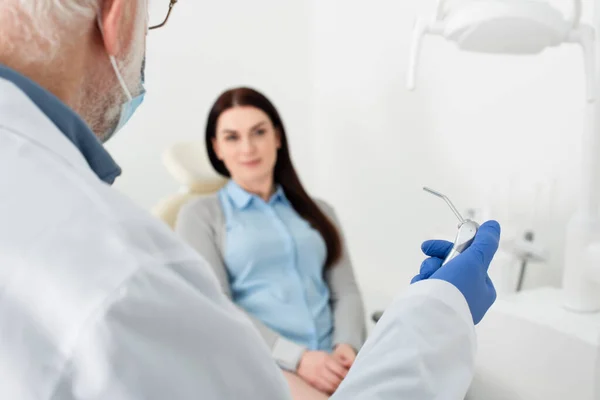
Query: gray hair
{"x": 41, "y": 24}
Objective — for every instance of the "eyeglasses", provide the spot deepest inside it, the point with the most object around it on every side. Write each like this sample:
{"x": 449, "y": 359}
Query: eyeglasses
{"x": 156, "y": 15}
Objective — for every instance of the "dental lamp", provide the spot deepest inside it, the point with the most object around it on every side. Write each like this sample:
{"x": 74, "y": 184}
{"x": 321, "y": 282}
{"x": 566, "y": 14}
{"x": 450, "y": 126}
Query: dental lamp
{"x": 527, "y": 27}
{"x": 541, "y": 343}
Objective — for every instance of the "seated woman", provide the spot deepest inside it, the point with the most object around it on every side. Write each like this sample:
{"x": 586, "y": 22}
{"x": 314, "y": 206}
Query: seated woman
{"x": 278, "y": 253}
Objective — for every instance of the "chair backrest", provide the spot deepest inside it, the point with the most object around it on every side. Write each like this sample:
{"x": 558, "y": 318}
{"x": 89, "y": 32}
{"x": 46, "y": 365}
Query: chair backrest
{"x": 189, "y": 165}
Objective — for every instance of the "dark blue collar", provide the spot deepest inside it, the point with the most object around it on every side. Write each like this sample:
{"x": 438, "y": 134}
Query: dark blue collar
{"x": 69, "y": 123}
{"x": 242, "y": 198}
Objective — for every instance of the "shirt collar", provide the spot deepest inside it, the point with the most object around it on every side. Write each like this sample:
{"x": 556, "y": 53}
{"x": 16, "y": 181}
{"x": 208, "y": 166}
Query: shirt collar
{"x": 69, "y": 123}
{"x": 241, "y": 198}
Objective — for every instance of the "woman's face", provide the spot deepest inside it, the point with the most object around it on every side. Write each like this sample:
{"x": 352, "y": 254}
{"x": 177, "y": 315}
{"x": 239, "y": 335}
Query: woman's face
{"x": 247, "y": 143}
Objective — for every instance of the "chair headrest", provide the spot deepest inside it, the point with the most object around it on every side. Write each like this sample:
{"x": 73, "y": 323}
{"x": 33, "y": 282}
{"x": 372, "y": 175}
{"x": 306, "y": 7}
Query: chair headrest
{"x": 189, "y": 164}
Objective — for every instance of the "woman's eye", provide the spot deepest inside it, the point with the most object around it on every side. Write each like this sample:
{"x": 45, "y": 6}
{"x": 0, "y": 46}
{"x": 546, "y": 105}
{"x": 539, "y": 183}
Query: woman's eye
{"x": 261, "y": 132}
{"x": 230, "y": 138}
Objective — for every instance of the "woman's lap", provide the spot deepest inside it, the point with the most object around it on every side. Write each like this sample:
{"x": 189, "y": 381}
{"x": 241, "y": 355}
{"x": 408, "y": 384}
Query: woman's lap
{"x": 301, "y": 390}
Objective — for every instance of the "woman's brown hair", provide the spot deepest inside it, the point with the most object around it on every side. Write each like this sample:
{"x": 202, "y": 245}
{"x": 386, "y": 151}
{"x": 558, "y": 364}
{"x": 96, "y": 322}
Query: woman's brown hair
{"x": 284, "y": 174}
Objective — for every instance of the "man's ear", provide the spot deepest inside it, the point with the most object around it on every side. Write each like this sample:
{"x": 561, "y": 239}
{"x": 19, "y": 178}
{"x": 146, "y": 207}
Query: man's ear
{"x": 111, "y": 21}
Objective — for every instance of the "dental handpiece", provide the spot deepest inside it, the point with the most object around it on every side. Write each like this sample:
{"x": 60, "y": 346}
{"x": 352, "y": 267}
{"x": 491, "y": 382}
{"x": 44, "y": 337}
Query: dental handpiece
{"x": 467, "y": 229}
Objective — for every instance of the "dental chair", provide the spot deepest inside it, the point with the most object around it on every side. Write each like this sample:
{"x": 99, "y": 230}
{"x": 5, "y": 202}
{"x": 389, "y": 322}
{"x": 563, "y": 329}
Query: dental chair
{"x": 188, "y": 164}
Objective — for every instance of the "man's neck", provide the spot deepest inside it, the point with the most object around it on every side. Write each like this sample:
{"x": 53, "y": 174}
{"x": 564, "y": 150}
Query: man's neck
{"x": 59, "y": 78}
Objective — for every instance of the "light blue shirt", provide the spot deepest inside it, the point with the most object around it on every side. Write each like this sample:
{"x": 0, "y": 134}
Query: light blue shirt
{"x": 275, "y": 262}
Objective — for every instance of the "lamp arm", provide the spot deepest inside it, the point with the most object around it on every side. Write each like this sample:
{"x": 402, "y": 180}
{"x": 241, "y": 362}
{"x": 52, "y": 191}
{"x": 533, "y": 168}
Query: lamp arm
{"x": 576, "y": 14}
{"x": 439, "y": 9}
{"x": 584, "y": 35}
{"x": 419, "y": 31}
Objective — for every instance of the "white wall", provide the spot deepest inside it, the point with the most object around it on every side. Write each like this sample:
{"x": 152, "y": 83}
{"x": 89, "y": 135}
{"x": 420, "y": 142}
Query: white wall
{"x": 205, "y": 49}
{"x": 488, "y": 131}
{"x": 477, "y": 126}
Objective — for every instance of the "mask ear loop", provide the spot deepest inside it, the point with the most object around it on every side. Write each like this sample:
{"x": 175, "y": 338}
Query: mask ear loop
{"x": 113, "y": 62}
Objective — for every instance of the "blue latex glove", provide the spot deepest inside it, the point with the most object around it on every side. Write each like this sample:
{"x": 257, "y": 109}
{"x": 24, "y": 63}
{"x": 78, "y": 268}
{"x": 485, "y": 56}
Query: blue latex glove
{"x": 468, "y": 272}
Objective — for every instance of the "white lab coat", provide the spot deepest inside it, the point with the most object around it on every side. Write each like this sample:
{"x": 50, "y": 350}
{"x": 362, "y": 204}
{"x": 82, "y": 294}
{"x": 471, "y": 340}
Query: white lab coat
{"x": 100, "y": 301}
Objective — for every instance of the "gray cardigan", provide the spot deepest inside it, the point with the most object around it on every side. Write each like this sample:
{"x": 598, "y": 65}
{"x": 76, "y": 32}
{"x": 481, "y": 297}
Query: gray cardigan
{"x": 201, "y": 224}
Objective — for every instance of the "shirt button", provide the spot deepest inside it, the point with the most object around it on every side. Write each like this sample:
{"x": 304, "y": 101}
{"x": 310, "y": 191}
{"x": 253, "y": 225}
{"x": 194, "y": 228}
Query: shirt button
{"x": 309, "y": 289}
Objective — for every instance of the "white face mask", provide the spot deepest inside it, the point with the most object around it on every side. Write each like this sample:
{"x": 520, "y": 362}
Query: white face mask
{"x": 130, "y": 106}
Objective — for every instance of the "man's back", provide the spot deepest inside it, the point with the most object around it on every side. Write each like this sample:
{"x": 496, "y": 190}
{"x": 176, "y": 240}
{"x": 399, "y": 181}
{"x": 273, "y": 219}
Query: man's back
{"x": 97, "y": 299}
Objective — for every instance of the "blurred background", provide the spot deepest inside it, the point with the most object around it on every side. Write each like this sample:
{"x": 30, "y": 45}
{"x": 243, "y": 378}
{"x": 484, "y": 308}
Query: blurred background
{"x": 500, "y": 135}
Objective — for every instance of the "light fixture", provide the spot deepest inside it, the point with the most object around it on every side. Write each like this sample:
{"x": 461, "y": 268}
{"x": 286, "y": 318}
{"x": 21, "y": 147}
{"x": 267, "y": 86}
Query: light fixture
{"x": 519, "y": 27}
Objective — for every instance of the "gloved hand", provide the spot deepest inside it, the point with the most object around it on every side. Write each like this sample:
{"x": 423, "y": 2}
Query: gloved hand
{"x": 468, "y": 272}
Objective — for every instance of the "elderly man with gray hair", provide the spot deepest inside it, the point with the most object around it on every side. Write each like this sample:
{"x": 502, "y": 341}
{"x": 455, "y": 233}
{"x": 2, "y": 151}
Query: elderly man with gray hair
{"x": 100, "y": 301}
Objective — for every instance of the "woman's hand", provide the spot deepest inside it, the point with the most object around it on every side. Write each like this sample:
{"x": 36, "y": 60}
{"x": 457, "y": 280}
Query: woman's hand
{"x": 322, "y": 371}
{"x": 345, "y": 355}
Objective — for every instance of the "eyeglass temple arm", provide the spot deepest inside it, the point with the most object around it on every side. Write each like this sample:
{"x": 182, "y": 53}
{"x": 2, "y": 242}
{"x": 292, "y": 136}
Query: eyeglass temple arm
{"x": 171, "y": 5}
